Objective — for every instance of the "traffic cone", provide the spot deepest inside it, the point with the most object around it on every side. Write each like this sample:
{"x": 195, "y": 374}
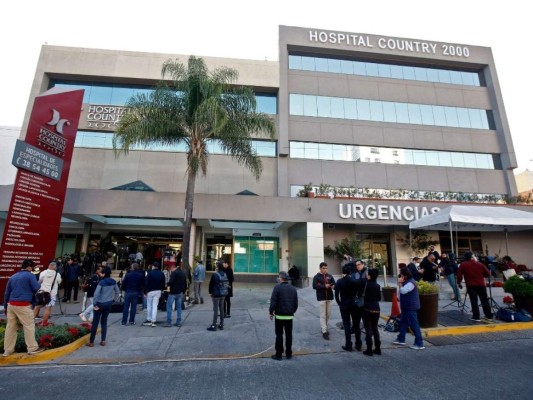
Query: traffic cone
{"x": 395, "y": 310}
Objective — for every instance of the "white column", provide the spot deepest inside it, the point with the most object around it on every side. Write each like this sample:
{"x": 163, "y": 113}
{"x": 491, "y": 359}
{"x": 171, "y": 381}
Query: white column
{"x": 315, "y": 247}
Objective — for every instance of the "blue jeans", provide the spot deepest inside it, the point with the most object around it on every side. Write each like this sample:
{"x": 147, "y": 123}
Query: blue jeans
{"x": 100, "y": 316}
{"x": 453, "y": 283}
{"x": 409, "y": 319}
{"x": 174, "y": 299}
{"x": 130, "y": 306}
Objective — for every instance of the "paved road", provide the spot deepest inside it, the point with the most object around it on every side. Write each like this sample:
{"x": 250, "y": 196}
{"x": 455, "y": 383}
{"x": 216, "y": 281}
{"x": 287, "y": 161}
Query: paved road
{"x": 485, "y": 370}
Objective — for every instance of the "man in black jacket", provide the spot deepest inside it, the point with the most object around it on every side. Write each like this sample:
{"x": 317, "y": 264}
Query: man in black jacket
{"x": 345, "y": 291}
{"x": 176, "y": 287}
{"x": 324, "y": 283}
{"x": 283, "y": 305}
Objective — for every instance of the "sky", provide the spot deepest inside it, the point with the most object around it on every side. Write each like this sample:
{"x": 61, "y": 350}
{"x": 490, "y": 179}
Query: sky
{"x": 249, "y": 29}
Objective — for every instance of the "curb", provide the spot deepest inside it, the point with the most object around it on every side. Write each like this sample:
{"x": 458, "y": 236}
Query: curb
{"x": 47, "y": 355}
{"x": 476, "y": 329}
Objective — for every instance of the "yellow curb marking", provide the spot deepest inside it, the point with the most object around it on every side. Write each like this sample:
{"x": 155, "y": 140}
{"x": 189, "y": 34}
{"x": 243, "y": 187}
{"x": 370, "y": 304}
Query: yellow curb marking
{"x": 476, "y": 329}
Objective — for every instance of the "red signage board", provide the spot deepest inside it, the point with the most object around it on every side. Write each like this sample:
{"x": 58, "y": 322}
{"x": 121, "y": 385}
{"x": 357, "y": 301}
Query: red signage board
{"x": 43, "y": 159}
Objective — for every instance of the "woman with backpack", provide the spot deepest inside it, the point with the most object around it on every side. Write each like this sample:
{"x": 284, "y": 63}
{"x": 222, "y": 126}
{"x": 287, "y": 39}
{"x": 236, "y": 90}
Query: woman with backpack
{"x": 218, "y": 289}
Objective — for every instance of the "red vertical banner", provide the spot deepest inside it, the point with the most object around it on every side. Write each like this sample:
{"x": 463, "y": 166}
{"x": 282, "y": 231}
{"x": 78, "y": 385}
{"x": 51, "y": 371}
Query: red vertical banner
{"x": 43, "y": 162}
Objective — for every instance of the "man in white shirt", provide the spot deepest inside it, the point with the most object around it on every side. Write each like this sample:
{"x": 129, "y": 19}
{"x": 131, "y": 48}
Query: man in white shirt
{"x": 49, "y": 280}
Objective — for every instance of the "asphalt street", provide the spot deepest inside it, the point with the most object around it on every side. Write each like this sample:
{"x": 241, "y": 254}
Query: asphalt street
{"x": 482, "y": 370}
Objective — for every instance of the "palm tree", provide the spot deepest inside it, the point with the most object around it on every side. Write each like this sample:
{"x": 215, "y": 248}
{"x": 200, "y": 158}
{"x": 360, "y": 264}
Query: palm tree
{"x": 194, "y": 106}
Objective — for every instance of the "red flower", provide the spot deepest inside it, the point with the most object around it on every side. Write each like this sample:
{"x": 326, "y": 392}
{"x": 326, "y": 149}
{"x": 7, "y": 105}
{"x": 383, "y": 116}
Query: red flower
{"x": 46, "y": 341}
{"x": 508, "y": 300}
{"x": 86, "y": 325}
{"x": 73, "y": 331}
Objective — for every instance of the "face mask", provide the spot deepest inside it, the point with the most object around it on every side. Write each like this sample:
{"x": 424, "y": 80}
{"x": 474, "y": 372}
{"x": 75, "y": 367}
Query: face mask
{"x": 417, "y": 264}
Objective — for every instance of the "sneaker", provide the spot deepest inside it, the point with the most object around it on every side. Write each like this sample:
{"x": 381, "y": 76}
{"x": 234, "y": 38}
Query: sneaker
{"x": 276, "y": 357}
{"x": 212, "y": 328}
{"x": 347, "y": 348}
{"x": 167, "y": 325}
{"x": 399, "y": 343}
{"x": 416, "y": 347}
{"x": 177, "y": 324}
{"x": 39, "y": 350}
{"x": 221, "y": 327}
{"x": 153, "y": 324}
{"x": 288, "y": 357}
{"x": 132, "y": 322}
{"x": 75, "y": 302}
{"x": 123, "y": 323}
{"x": 6, "y": 354}
{"x": 325, "y": 335}
{"x": 83, "y": 317}
{"x": 147, "y": 323}
{"x": 475, "y": 319}
{"x": 227, "y": 316}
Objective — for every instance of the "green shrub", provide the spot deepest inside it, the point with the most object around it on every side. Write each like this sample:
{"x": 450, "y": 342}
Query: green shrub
{"x": 426, "y": 287}
{"x": 518, "y": 286}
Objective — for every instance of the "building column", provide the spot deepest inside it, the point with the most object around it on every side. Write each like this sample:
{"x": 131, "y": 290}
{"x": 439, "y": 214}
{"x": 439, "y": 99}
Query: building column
{"x": 315, "y": 247}
{"x": 87, "y": 229}
{"x": 192, "y": 245}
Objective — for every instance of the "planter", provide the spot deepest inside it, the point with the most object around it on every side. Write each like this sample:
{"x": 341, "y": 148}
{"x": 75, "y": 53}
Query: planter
{"x": 525, "y": 302}
{"x": 311, "y": 194}
{"x": 428, "y": 313}
{"x": 388, "y": 293}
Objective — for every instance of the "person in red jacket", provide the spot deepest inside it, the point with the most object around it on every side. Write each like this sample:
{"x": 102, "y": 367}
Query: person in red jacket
{"x": 474, "y": 274}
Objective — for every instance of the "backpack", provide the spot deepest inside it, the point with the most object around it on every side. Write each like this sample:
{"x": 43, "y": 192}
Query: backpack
{"x": 392, "y": 325}
{"x": 508, "y": 315}
{"x": 222, "y": 287}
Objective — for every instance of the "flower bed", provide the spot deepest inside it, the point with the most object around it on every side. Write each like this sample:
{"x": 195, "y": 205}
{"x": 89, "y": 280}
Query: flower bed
{"x": 50, "y": 336}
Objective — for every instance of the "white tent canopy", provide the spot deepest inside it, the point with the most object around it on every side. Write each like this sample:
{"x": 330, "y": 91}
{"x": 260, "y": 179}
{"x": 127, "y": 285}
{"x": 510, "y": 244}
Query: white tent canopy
{"x": 479, "y": 218}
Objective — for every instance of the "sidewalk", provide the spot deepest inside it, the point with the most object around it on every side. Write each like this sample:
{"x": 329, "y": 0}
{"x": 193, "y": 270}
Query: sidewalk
{"x": 248, "y": 333}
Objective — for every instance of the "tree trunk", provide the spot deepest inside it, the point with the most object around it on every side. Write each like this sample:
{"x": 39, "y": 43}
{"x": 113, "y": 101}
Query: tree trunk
{"x": 189, "y": 202}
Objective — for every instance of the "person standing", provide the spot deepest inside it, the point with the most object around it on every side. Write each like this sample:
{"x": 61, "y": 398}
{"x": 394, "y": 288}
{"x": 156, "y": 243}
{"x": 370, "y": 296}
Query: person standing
{"x": 409, "y": 304}
{"x": 435, "y": 253}
{"x": 218, "y": 289}
{"x": 474, "y": 274}
{"x": 345, "y": 291}
{"x": 133, "y": 286}
{"x": 88, "y": 313}
{"x": 429, "y": 269}
{"x": 50, "y": 281}
{"x": 104, "y": 295}
{"x": 18, "y": 297}
{"x": 371, "y": 313}
{"x": 198, "y": 279}
{"x": 72, "y": 274}
{"x": 449, "y": 269}
{"x": 283, "y": 306}
{"x": 153, "y": 287}
{"x": 227, "y": 300}
{"x": 413, "y": 268}
{"x": 359, "y": 275}
{"x": 176, "y": 289}
{"x": 323, "y": 283}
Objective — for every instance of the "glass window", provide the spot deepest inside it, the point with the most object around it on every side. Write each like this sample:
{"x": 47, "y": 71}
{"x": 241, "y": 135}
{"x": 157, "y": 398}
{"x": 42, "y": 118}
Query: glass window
{"x": 334, "y": 66}
{"x": 408, "y": 73}
{"x": 484, "y": 119}
{"x": 421, "y": 74}
{"x": 347, "y": 67}
{"x": 350, "y": 108}
{"x": 308, "y": 63}
{"x": 456, "y": 78}
{"x": 484, "y": 161}
{"x": 470, "y": 160}
{"x": 337, "y": 107}
{"x": 427, "y": 115}
{"x": 376, "y": 110}
{"x": 384, "y": 70}
{"x": 458, "y": 160}
{"x": 372, "y": 69}
{"x": 445, "y": 159}
{"x": 100, "y": 94}
{"x": 451, "y": 116}
{"x": 359, "y": 68}
{"x": 297, "y": 150}
{"x": 439, "y": 115}
{"x": 402, "y": 113}
{"x": 432, "y": 158}
{"x": 467, "y": 78}
{"x": 324, "y": 106}
{"x": 267, "y": 103}
{"x": 408, "y": 157}
{"x": 389, "y": 112}
{"x": 265, "y": 148}
{"x": 475, "y": 118}
{"x": 120, "y": 95}
{"x": 464, "y": 119}
{"x": 295, "y": 62}
{"x": 321, "y": 65}
{"x": 310, "y": 108}
{"x": 444, "y": 76}
{"x": 415, "y": 116}
{"x": 339, "y": 152}
{"x": 475, "y": 77}
{"x": 419, "y": 157}
{"x": 296, "y": 104}
{"x": 311, "y": 151}
{"x": 432, "y": 74}
{"x": 396, "y": 72}
{"x": 325, "y": 151}
{"x": 363, "y": 110}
